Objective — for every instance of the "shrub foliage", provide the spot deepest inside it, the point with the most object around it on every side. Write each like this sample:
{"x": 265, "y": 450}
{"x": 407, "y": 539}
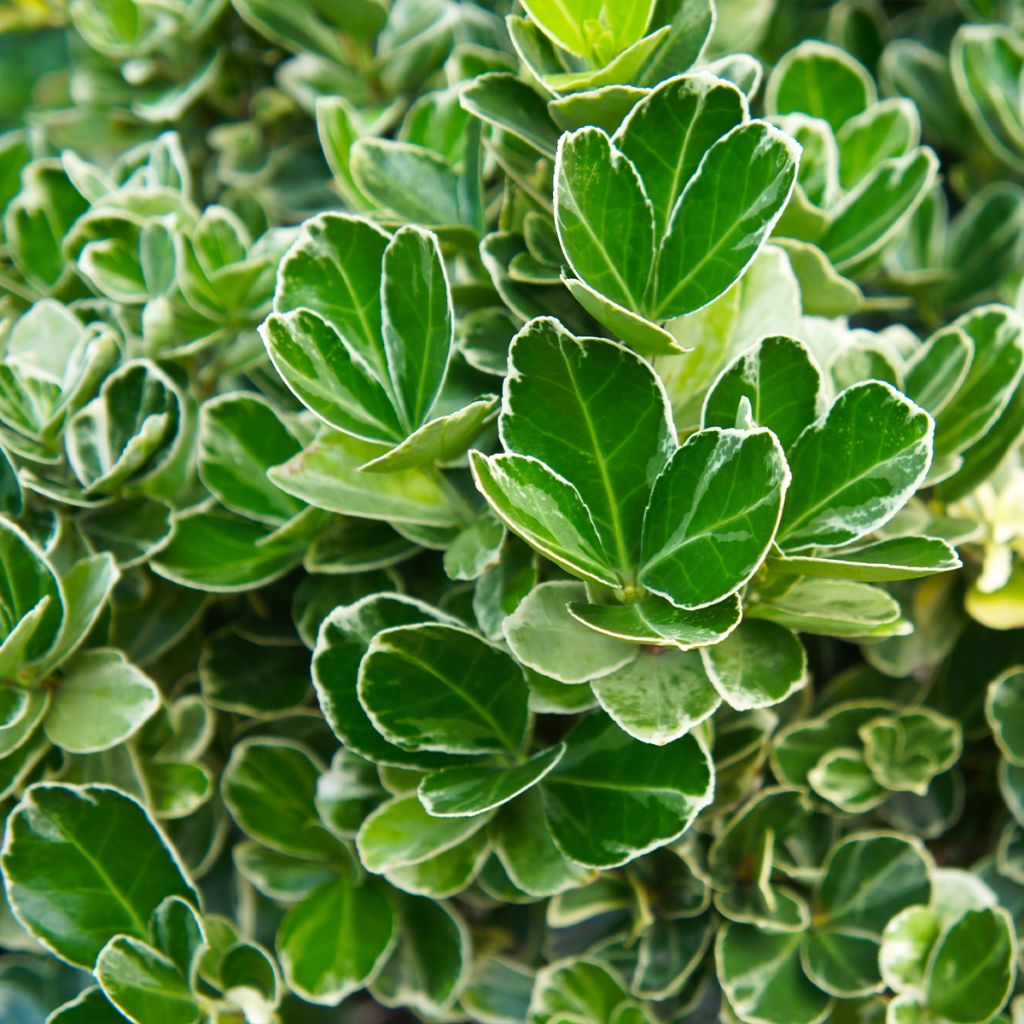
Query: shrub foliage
{"x": 511, "y": 512}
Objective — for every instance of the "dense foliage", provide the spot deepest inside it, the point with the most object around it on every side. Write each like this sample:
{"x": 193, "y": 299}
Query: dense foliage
{"x": 511, "y": 512}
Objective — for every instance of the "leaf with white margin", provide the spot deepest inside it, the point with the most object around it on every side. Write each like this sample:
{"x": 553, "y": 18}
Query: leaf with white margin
{"x": 558, "y": 408}
{"x": 843, "y": 778}
{"x": 659, "y": 696}
{"x": 144, "y": 984}
{"x": 855, "y": 467}
{"x": 841, "y": 608}
{"x": 83, "y": 864}
{"x": 1004, "y": 709}
{"x": 101, "y": 700}
{"x": 545, "y": 510}
{"x": 763, "y": 980}
{"x": 545, "y": 636}
{"x": 439, "y": 687}
{"x": 334, "y": 941}
{"x": 898, "y": 558}
{"x": 667, "y": 133}
{"x": 401, "y": 833}
{"x": 722, "y": 218}
{"x": 757, "y": 665}
{"x": 464, "y": 792}
{"x": 868, "y": 879}
{"x": 712, "y": 515}
{"x": 906, "y": 751}
{"x": 612, "y": 799}
{"x": 655, "y": 622}
{"x": 604, "y": 219}
{"x": 780, "y": 379}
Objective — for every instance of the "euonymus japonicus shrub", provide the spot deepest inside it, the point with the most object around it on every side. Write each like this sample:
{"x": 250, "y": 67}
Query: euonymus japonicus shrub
{"x": 511, "y": 512}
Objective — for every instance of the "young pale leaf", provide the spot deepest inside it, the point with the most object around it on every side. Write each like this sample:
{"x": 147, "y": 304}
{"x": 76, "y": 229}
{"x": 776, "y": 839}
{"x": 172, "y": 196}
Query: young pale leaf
{"x": 712, "y": 515}
{"x": 668, "y": 132}
{"x": 336, "y": 939}
{"x": 326, "y": 474}
{"x": 144, "y": 984}
{"x": 659, "y": 696}
{"x": 612, "y": 799}
{"x": 101, "y": 700}
{"x": 545, "y": 510}
{"x": 757, "y": 665}
{"x": 779, "y": 378}
{"x": 587, "y": 29}
{"x": 604, "y": 218}
{"x": 463, "y": 792}
{"x": 722, "y": 218}
{"x": 439, "y": 687}
{"x": 657, "y": 623}
{"x": 83, "y": 864}
{"x": 417, "y": 321}
{"x": 544, "y": 634}
{"x": 855, "y": 467}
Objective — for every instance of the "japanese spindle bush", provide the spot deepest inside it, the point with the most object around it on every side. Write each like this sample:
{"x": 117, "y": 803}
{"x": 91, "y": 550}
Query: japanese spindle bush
{"x": 511, "y": 512}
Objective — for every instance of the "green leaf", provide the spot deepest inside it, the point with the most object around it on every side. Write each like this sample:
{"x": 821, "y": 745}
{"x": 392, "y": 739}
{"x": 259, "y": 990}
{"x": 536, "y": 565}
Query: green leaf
{"x": 657, "y": 623}
{"x": 543, "y": 508}
{"x": 417, "y": 321}
{"x": 401, "y": 834}
{"x": 1004, "y": 709}
{"x": 413, "y": 181}
{"x": 884, "y": 130}
{"x": 269, "y": 787}
{"x": 867, "y": 218}
{"x": 612, "y": 799}
{"x": 240, "y": 438}
{"x": 91, "y": 1007}
{"x": 868, "y": 879}
{"x": 329, "y": 376}
{"x": 427, "y": 967}
{"x": 327, "y": 474}
{"x": 659, "y": 696}
{"x": 973, "y": 966}
{"x": 821, "y": 80}
{"x": 834, "y": 608}
{"x": 579, "y": 991}
{"x": 556, "y": 409}
{"x": 545, "y": 635}
{"x": 334, "y": 269}
{"x": 508, "y": 103}
{"x": 997, "y": 336}
{"x": 440, "y": 687}
{"x": 344, "y": 639}
{"x": 83, "y": 864}
{"x": 101, "y": 700}
{"x": 336, "y": 940}
{"x": 855, "y": 467}
{"x": 722, "y": 218}
{"x": 757, "y": 665}
{"x": 216, "y": 551}
{"x": 588, "y": 29}
{"x": 781, "y": 381}
{"x": 906, "y": 751}
{"x": 87, "y": 587}
{"x": 761, "y": 976}
{"x": 527, "y": 851}
{"x": 463, "y": 792}
{"x": 712, "y": 515}
{"x": 604, "y": 218}
{"x": 899, "y": 558}
{"x": 144, "y": 984}
{"x": 667, "y": 133}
